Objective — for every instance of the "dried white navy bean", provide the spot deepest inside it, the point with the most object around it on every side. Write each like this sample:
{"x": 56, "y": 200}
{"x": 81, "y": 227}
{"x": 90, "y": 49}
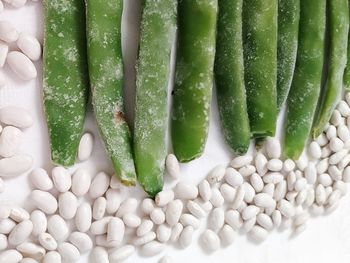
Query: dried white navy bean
{"x": 113, "y": 201}
{"x": 122, "y": 253}
{"x": 86, "y": 145}
{"x": 241, "y": 161}
{"x": 17, "y": 3}
{"x": 343, "y": 133}
{"x": 280, "y": 191}
{"x": 15, "y": 165}
{"x": 273, "y": 177}
{"x": 328, "y": 191}
{"x": 166, "y": 259}
{"x": 81, "y": 181}
{"x": 301, "y": 218}
{"x": 310, "y": 173}
{"x": 344, "y": 162}
{"x": 338, "y": 156}
{"x": 152, "y": 248}
{"x": 256, "y": 182}
{"x": 264, "y": 200}
{"x": 291, "y": 179}
{"x": 18, "y": 214}
{"x": 216, "y": 199}
{"x": 163, "y": 233}
{"x": 290, "y": 196}
{"x": 233, "y": 177}
{"x": 233, "y": 218}
{"x": 276, "y": 218}
{"x": 260, "y": 164}
{"x": 21, "y": 65}
{"x": 57, "y": 227}
{"x": 334, "y": 197}
{"x": 10, "y": 141}
{"x": 249, "y": 224}
{"x": 216, "y": 219}
{"x": 67, "y": 204}
{"x": 217, "y": 174}
{"x": 52, "y": 257}
{"x": 301, "y": 197}
{"x": 176, "y": 232}
{"x": 100, "y": 227}
{"x": 326, "y": 152}
{"x": 227, "y": 192}
{"x": 47, "y": 241}
{"x": 204, "y": 190}
{"x": 300, "y": 184}
{"x": 249, "y": 192}
{"x": 83, "y": 217}
{"x": 315, "y": 150}
{"x": 258, "y": 234}
{"x": 239, "y": 197}
{"x": 172, "y": 166}
{"x": 310, "y": 198}
{"x": 164, "y": 197}
{"x": 147, "y": 206}
{"x": 145, "y": 227}
{"x": 322, "y": 166}
{"x": 335, "y": 173}
{"x": 322, "y": 140}
{"x": 39, "y": 221}
{"x": 172, "y": 213}
{"x": 207, "y": 206}
{"x": 99, "y": 255}
{"x": 273, "y": 148}
{"x": 186, "y": 191}
{"x": 331, "y": 132}
{"x": 317, "y": 210}
{"x": 190, "y": 220}
{"x": 31, "y": 250}
{"x": 99, "y": 208}
{"x": 288, "y": 165}
{"x": 336, "y": 144}
{"x": 158, "y": 216}
{"x": 320, "y": 194}
{"x": 6, "y": 226}
{"x": 115, "y": 231}
{"x": 115, "y": 182}
{"x": 325, "y": 180}
{"x": 129, "y": 205}
{"x": 10, "y": 256}
{"x": 210, "y": 241}
{"x": 275, "y": 165}
{"x": 3, "y": 242}
{"x": 286, "y": 208}
{"x": 242, "y": 207}
{"x": 185, "y": 238}
{"x": 336, "y": 118}
{"x": 41, "y": 180}
{"x": 82, "y": 241}
{"x": 131, "y": 220}
{"x": 250, "y": 212}
{"x": 343, "y": 108}
{"x": 340, "y": 186}
{"x": 99, "y": 185}
{"x": 68, "y": 252}
{"x": 29, "y": 45}
{"x": 8, "y": 32}
{"x": 4, "y": 49}
{"x": 195, "y": 209}
{"x": 247, "y": 170}
{"x": 101, "y": 240}
{"x": 227, "y": 235}
{"x": 20, "y": 232}
{"x": 269, "y": 189}
{"x": 28, "y": 260}
{"x": 61, "y": 179}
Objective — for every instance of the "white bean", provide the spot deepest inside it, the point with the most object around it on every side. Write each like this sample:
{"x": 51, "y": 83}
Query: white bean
{"x": 227, "y": 235}
{"x": 172, "y": 213}
{"x": 265, "y": 221}
{"x": 249, "y": 192}
{"x": 336, "y": 144}
{"x": 115, "y": 231}
{"x": 16, "y": 116}
{"x": 315, "y": 150}
{"x": 261, "y": 164}
{"x": 129, "y": 205}
{"x": 233, "y": 178}
{"x": 57, "y": 227}
{"x": 239, "y": 197}
{"x": 216, "y": 198}
{"x": 32, "y": 250}
{"x": 269, "y": 189}
{"x": 340, "y": 186}
{"x": 113, "y": 200}
{"x": 21, "y": 65}
{"x": 276, "y": 218}
{"x": 10, "y": 141}
{"x": 100, "y": 227}
{"x": 131, "y": 220}
{"x": 152, "y": 248}
{"x": 322, "y": 166}
{"x": 344, "y": 162}
{"x": 258, "y": 234}
{"x": 320, "y": 195}
{"x": 280, "y": 191}
{"x": 122, "y": 253}
{"x": 8, "y": 32}
{"x": 86, "y": 145}
{"x": 145, "y": 227}
{"x": 343, "y": 108}
{"x": 241, "y": 161}
{"x": 186, "y": 191}
{"x": 310, "y": 173}
{"x": 273, "y": 148}
{"x": 163, "y": 233}
{"x": 346, "y": 174}
{"x": 61, "y": 179}
{"x": 325, "y": 180}
{"x": 164, "y": 197}
{"x": 6, "y": 226}
{"x": 301, "y": 218}
{"x": 81, "y": 181}
{"x": 99, "y": 185}
{"x": 336, "y": 118}
{"x": 195, "y": 209}
{"x": 172, "y": 166}
{"x": 81, "y": 241}
{"x": 275, "y": 165}
{"x": 115, "y": 182}
{"x": 189, "y": 220}
{"x": 20, "y": 232}
{"x": 186, "y": 236}
{"x": 338, "y": 156}
{"x": 300, "y": 184}
{"x": 99, "y": 208}
{"x": 15, "y": 165}
{"x": 227, "y": 192}
{"x": 335, "y": 173}
{"x": 3, "y": 242}
{"x": 45, "y": 201}
{"x": 210, "y": 241}
{"x": 249, "y": 224}
{"x": 147, "y": 206}
{"x": 158, "y": 216}
{"x": 83, "y": 217}
{"x": 286, "y": 208}
{"x": 29, "y": 45}
{"x": 40, "y": 179}
{"x": 28, "y": 260}
{"x": 150, "y": 236}
{"x": 250, "y": 212}
{"x": 39, "y": 221}
{"x": 10, "y": 256}
{"x": 176, "y": 232}
{"x": 204, "y": 190}
{"x": 257, "y": 182}
{"x": 247, "y": 170}
{"x": 5, "y": 212}
{"x": 264, "y": 200}
{"x": 334, "y": 197}
{"x": 273, "y": 177}
{"x": 19, "y": 214}
{"x": 99, "y": 255}
{"x": 216, "y": 219}
{"x": 4, "y": 49}
{"x": 68, "y": 252}
{"x": 343, "y": 133}
{"x": 67, "y": 205}
{"x": 216, "y": 175}
{"x": 52, "y": 257}
{"x": 47, "y": 241}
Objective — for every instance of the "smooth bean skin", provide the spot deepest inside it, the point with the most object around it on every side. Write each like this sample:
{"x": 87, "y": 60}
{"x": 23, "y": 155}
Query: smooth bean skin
{"x": 158, "y": 27}
{"x": 229, "y": 76}
{"x": 260, "y": 65}
{"x": 338, "y": 12}
{"x": 65, "y": 79}
{"x": 107, "y": 84}
{"x": 306, "y": 84}
{"x": 194, "y": 77}
{"x": 287, "y": 46}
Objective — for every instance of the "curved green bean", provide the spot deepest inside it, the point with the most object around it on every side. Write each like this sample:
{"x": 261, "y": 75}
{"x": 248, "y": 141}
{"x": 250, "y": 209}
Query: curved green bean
{"x": 260, "y": 62}
{"x": 229, "y": 76}
{"x": 65, "y": 80}
{"x": 306, "y": 84}
{"x": 338, "y": 13}
{"x": 106, "y": 79}
{"x": 346, "y": 80}
{"x": 194, "y": 77}
{"x": 287, "y": 46}
{"x": 158, "y": 27}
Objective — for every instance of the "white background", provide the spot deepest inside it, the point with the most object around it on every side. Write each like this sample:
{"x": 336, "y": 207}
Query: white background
{"x": 327, "y": 239}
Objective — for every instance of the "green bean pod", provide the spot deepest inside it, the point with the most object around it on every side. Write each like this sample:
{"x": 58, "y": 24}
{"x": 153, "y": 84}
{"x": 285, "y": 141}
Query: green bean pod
{"x": 260, "y": 62}
{"x": 194, "y": 77}
{"x": 346, "y": 80}
{"x": 229, "y": 76}
{"x": 65, "y": 80}
{"x": 106, "y": 79}
{"x": 287, "y": 46}
{"x": 338, "y": 27}
{"x": 158, "y": 28}
{"x": 306, "y": 84}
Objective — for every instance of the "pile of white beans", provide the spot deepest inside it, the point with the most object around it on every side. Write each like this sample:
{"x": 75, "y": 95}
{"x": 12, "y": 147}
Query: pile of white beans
{"x": 74, "y": 214}
{"x": 20, "y": 60}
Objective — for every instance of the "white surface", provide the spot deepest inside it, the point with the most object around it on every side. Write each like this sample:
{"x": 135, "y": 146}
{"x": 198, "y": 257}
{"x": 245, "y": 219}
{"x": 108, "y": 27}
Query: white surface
{"x": 327, "y": 239}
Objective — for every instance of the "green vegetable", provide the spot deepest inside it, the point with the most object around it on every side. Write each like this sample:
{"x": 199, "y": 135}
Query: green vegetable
{"x": 65, "y": 77}
{"x": 158, "y": 29}
{"x": 260, "y": 62}
{"x": 229, "y": 76}
{"x": 194, "y": 77}
{"x": 287, "y": 45}
{"x": 306, "y": 84}
{"x": 106, "y": 78}
{"x": 347, "y": 68}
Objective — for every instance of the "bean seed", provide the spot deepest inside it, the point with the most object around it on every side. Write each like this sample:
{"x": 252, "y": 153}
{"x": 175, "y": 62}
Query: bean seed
{"x": 216, "y": 175}
{"x": 210, "y": 241}
{"x": 86, "y": 145}
{"x": 185, "y": 238}
{"x": 163, "y": 233}
{"x": 233, "y": 178}
{"x": 83, "y": 217}
{"x": 172, "y": 166}
{"x": 164, "y": 197}
{"x": 61, "y": 179}
{"x": 152, "y": 248}
{"x": 81, "y": 241}
{"x": 39, "y": 221}
{"x": 233, "y": 218}
{"x": 99, "y": 208}
{"x": 115, "y": 231}
{"x": 241, "y": 161}
{"x": 68, "y": 252}
{"x": 81, "y": 181}
{"x": 258, "y": 234}
{"x": 172, "y": 213}
{"x": 145, "y": 227}
{"x": 29, "y": 45}
{"x": 122, "y": 253}
{"x": 21, "y": 65}
{"x": 99, "y": 185}
{"x": 185, "y": 191}
{"x": 52, "y": 257}
{"x": 158, "y": 216}
{"x": 57, "y": 227}
{"x": 47, "y": 241}
{"x": 20, "y": 232}
{"x": 40, "y": 179}
{"x": 99, "y": 255}
{"x": 67, "y": 205}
